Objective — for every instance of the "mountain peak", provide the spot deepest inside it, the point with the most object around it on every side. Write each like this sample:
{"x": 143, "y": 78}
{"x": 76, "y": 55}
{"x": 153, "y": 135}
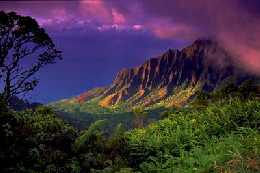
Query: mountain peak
{"x": 204, "y": 42}
{"x": 203, "y": 63}
{"x": 201, "y": 66}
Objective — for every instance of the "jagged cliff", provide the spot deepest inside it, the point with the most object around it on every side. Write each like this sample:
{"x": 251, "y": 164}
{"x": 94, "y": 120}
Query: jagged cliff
{"x": 173, "y": 77}
{"x": 204, "y": 63}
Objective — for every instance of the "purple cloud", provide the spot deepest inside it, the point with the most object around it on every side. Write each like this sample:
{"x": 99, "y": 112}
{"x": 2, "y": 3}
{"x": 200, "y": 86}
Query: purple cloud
{"x": 234, "y": 23}
{"x": 96, "y": 34}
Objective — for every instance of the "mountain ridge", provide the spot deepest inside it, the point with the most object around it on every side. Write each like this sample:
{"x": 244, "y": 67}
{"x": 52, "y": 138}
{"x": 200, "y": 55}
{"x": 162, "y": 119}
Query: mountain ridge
{"x": 173, "y": 78}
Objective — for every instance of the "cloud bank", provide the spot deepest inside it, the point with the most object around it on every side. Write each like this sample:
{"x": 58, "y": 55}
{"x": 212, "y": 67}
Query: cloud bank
{"x": 234, "y": 23}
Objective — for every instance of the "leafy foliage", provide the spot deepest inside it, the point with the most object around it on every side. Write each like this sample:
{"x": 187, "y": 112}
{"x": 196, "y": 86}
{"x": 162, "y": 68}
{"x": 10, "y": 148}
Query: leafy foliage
{"x": 94, "y": 130}
{"x": 223, "y": 136}
{"x": 25, "y": 48}
{"x": 34, "y": 141}
{"x": 197, "y": 140}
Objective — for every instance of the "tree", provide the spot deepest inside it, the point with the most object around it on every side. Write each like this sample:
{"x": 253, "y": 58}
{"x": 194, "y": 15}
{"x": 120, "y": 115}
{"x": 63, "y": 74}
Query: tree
{"x": 25, "y": 48}
{"x": 140, "y": 117}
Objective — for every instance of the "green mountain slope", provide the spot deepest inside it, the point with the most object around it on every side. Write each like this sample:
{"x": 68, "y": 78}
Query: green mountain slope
{"x": 171, "y": 80}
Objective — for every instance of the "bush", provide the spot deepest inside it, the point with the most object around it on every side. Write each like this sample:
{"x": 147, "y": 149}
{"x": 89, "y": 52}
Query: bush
{"x": 220, "y": 137}
{"x": 34, "y": 141}
{"x": 181, "y": 140}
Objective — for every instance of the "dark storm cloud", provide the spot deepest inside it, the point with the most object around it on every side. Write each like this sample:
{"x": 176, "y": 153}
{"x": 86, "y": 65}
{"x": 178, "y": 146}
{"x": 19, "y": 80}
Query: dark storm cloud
{"x": 234, "y": 23}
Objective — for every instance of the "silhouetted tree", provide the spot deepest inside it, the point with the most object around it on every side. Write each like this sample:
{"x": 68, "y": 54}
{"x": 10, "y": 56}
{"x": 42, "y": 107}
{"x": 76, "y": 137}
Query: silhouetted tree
{"x": 25, "y": 48}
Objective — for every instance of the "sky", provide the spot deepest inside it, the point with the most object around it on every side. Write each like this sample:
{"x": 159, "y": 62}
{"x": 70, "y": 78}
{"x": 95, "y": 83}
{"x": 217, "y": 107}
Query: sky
{"x": 100, "y": 37}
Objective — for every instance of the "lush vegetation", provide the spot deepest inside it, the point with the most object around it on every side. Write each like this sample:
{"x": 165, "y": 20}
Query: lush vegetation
{"x": 34, "y": 141}
{"x": 200, "y": 140}
{"x": 224, "y": 136}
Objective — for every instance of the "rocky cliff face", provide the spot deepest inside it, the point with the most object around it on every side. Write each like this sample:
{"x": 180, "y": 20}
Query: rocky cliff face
{"x": 171, "y": 78}
{"x": 88, "y": 95}
{"x": 205, "y": 63}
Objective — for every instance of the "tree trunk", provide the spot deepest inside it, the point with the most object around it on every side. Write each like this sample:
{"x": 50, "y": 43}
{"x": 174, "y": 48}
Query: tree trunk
{"x": 7, "y": 89}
